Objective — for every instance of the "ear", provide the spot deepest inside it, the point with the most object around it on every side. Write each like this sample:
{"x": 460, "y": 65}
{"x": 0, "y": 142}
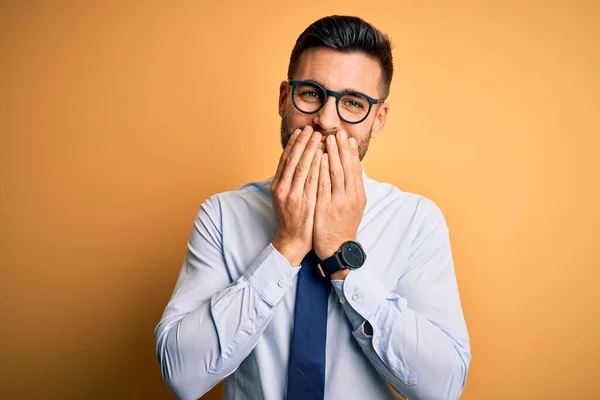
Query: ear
{"x": 283, "y": 95}
{"x": 380, "y": 120}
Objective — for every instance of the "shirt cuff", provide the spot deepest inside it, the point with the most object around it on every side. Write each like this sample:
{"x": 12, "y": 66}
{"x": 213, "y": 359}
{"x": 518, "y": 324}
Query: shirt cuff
{"x": 271, "y": 275}
{"x": 362, "y": 295}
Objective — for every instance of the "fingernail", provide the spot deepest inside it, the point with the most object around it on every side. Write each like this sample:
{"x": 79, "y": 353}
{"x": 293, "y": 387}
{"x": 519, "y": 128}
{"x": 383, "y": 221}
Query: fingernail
{"x": 331, "y": 139}
{"x": 315, "y": 136}
{"x": 343, "y": 135}
{"x": 306, "y": 130}
{"x": 296, "y": 132}
{"x": 352, "y": 142}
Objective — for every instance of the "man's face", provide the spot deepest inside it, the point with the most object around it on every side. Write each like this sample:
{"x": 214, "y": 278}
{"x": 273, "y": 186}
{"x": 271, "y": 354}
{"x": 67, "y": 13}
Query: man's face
{"x": 339, "y": 72}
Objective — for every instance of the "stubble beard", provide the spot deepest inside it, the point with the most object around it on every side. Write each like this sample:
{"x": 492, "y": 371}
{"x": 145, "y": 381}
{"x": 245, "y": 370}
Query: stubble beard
{"x": 286, "y": 133}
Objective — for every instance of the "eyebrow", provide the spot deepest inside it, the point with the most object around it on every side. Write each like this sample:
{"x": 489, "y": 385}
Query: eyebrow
{"x": 346, "y": 90}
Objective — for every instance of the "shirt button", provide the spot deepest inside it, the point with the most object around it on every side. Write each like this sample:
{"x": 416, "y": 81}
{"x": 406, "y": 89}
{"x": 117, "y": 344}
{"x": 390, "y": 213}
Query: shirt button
{"x": 249, "y": 330}
{"x": 375, "y": 340}
{"x": 342, "y": 299}
{"x": 356, "y": 297}
{"x": 280, "y": 283}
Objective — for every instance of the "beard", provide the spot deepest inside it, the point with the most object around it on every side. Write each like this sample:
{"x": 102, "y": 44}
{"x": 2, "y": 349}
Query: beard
{"x": 286, "y": 133}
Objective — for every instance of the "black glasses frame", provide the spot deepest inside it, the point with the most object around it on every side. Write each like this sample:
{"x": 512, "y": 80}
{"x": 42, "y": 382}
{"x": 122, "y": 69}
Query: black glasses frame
{"x": 337, "y": 96}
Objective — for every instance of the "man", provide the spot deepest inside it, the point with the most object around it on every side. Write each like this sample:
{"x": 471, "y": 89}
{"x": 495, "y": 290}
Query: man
{"x": 320, "y": 282}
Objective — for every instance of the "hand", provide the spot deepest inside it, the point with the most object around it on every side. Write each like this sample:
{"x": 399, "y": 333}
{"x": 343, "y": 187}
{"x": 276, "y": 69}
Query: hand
{"x": 294, "y": 192}
{"x": 341, "y": 197}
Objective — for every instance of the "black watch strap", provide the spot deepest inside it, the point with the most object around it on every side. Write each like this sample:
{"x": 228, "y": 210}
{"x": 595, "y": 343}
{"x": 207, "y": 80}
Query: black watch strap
{"x": 331, "y": 265}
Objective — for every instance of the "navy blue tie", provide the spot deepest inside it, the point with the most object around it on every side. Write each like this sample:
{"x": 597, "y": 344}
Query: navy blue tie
{"x": 306, "y": 373}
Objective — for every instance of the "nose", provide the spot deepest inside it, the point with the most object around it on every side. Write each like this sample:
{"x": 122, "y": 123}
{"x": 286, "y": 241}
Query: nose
{"x": 327, "y": 117}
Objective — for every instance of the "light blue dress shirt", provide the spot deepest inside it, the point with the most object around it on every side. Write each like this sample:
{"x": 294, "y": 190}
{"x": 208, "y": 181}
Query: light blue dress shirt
{"x": 231, "y": 314}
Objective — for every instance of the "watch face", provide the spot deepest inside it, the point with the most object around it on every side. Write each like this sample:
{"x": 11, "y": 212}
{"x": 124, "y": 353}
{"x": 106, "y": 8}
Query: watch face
{"x": 353, "y": 255}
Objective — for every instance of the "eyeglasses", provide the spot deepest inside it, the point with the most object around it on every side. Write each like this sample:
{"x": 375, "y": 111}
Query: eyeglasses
{"x": 352, "y": 107}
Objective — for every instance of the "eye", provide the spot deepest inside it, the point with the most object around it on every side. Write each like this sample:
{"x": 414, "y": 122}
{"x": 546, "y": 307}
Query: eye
{"x": 354, "y": 104}
{"x": 310, "y": 94}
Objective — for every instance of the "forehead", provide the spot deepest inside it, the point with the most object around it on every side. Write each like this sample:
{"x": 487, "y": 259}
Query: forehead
{"x": 340, "y": 71}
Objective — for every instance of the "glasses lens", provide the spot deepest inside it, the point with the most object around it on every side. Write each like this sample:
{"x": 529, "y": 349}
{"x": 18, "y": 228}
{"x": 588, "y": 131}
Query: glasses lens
{"x": 353, "y": 107}
{"x": 308, "y": 97}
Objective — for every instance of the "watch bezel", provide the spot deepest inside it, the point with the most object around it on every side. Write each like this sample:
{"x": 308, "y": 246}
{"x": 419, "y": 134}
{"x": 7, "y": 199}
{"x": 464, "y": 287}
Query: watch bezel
{"x": 349, "y": 261}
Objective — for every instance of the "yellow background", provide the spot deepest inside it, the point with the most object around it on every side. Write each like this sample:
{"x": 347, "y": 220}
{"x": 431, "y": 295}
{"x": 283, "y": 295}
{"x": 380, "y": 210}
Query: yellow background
{"x": 117, "y": 121}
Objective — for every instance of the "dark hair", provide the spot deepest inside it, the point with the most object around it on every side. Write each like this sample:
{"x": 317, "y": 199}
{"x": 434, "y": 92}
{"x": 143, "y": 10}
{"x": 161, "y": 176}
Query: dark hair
{"x": 346, "y": 34}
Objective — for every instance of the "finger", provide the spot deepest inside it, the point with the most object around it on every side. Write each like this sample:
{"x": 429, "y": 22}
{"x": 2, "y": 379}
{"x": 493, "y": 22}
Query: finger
{"x": 356, "y": 170}
{"x": 336, "y": 171}
{"x": 303, "y": 166}
{"x": 324, "y": 189}
{"x": 284, "y": 155}
{"x": 312, "y": 180}
{"x": 346, "y": 160}
{"x": 292, "y": 159}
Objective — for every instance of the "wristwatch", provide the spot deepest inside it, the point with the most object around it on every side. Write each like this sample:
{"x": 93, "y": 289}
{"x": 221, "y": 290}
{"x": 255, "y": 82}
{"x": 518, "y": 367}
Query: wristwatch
{"x": 350, "y": 255}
